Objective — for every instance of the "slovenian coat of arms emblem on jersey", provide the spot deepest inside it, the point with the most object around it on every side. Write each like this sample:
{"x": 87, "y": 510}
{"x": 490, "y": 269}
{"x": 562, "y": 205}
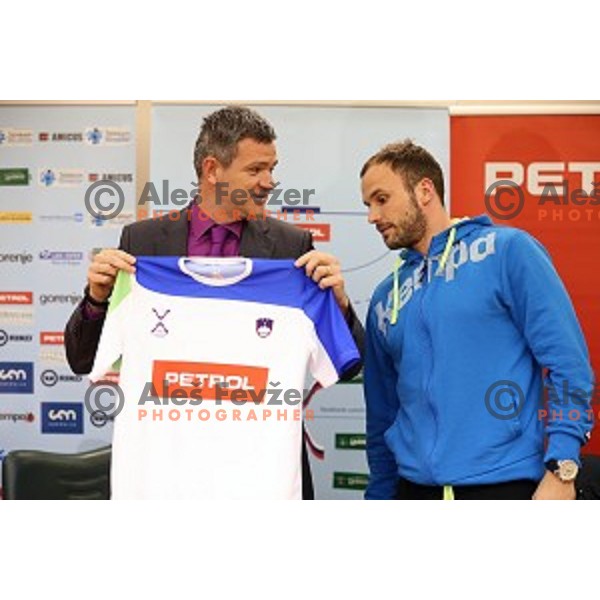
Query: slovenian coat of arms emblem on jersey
{"x": 264, "y": 327}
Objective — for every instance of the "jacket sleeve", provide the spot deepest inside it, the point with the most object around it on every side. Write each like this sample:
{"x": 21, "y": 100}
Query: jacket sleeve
{"x": 541, "y": 307}
{"x": 382, "y": 403}
{"x": 356, "y": 327}
{"x": 83, "y": 335}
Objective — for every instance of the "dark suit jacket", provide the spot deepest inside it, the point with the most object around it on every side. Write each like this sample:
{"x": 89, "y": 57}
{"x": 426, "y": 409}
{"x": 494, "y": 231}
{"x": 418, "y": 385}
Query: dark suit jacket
{"x": 268, "y": 238}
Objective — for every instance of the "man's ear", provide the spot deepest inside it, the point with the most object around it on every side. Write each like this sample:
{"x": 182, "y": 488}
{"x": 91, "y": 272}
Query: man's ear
{"x": 211, "y": 168}
{"x": 425, "y": 191}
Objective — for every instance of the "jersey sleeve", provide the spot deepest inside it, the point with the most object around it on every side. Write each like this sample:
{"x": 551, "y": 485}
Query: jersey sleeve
{"x": 110, "y": 347}
{"x": 333, "y": 350}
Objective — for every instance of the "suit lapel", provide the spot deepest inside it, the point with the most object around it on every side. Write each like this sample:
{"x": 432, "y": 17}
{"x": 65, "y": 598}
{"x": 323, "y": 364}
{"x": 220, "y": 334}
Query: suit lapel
{"x": 256, "y": 243}
{"x": 173, "y": 239}
{"x": 174, "y": 235}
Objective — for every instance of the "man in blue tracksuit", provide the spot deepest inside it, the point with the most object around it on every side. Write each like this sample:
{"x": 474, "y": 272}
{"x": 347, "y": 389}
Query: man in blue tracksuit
{"x": 465, "y": 339}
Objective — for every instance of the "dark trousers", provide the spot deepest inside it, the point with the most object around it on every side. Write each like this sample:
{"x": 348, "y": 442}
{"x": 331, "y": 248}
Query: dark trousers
{"x": 522, "y": 489}
{"x": 308, "y": 492}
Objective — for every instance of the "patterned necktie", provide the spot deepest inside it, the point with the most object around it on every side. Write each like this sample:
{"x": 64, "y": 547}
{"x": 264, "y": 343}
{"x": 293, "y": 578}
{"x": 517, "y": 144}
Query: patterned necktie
{"x": 218, "y": 235}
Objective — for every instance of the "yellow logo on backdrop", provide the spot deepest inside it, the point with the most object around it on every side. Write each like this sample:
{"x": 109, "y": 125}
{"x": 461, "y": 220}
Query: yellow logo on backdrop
{"x": 12, "y": 217}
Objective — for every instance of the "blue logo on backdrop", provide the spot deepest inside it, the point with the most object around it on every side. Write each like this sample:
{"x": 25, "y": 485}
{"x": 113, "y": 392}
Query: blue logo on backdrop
{"x": 94, "y": 136}
{"x": 62, "y": 417}
{"x": 16, "y": 378}
{"x": 48, "y": 177}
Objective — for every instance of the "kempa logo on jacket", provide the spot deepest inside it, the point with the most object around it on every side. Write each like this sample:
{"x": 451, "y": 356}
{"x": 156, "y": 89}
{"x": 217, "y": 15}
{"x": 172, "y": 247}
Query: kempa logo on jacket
{"x": 462, "y": 253}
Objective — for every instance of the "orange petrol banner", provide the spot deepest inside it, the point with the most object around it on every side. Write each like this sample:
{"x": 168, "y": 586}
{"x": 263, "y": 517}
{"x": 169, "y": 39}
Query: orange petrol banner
{"x": 540, "y": 173}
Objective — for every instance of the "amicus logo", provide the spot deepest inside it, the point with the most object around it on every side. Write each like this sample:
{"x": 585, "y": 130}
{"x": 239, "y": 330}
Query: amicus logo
{"x": 116, "y": 177}
{"x": 60, "y": 136}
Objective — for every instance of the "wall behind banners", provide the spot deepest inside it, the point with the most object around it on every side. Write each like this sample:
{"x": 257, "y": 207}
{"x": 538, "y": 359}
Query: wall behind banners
{"x": 533, "y": 150}
{"x": 320, "y": 148}
{"x": 49, "y": 155}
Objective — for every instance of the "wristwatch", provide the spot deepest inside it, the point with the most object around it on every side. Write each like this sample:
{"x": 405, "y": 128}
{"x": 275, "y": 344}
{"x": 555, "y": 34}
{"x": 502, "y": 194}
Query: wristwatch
{"x": 565, "y": 470}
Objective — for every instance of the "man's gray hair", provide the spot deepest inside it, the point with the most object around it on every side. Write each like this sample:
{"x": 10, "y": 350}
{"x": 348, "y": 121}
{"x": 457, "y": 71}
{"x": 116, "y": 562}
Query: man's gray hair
{"x": 223, "y": 129}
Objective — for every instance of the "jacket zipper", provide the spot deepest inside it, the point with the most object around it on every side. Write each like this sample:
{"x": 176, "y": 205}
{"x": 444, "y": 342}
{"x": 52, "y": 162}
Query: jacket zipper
{"x": 432, "y": 407}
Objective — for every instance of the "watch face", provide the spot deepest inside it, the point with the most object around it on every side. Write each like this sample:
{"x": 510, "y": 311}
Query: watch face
{"x": 567, "y": 470}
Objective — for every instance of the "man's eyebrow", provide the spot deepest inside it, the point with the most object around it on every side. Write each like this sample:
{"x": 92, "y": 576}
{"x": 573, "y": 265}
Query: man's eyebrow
{"x": 376, "y": 191}
{"x": 260, "y": 163}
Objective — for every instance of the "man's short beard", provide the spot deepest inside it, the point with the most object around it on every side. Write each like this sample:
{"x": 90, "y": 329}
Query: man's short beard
{"x": 410, "y": 231}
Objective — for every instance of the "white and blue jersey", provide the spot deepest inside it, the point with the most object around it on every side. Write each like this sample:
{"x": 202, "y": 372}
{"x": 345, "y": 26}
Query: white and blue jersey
{"x": 215, "y": 353}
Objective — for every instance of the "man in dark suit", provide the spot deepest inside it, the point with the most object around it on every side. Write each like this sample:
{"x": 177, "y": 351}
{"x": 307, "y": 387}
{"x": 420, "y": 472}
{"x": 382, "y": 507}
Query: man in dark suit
{"x": 234, "y": 159}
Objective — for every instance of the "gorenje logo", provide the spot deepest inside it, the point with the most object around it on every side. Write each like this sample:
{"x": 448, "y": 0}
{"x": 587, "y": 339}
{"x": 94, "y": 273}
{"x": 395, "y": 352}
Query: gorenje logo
{"x": 62, "y": 417}
{"x": 174, "y": 379}
{"x": 16, "y": 378}
{"x": 60, "y": 299}
{"x": 23, "y": 258}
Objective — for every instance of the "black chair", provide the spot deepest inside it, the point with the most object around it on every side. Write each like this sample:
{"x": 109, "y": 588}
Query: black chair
{"x": 36, "y": 475}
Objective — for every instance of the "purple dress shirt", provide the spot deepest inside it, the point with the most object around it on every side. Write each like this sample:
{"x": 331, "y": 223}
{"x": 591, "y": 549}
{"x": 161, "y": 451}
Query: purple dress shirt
{"x": 199, "y": 243}
{"x": 199, "y": 238}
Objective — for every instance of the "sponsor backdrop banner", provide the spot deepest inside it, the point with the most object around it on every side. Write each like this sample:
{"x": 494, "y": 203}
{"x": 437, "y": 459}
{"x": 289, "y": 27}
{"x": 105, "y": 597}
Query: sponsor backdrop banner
{"x": 542, "y": 174}
{"x": 49, "y": 156}
{"x": 321, "y": 151}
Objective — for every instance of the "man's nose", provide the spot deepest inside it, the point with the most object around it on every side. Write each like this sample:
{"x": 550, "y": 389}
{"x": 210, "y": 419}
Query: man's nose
{"x": 267, "y": 181}
{"x": 373, "y": 216}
